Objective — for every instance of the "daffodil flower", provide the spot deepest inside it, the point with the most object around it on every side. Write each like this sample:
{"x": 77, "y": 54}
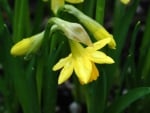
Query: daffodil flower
{"x": 81, "y": 60}
{"x": 125, "y": 1}
{"x": 27, "y": 45}
{"x": 98, "y": 31}
{"x": 56, "y": 4}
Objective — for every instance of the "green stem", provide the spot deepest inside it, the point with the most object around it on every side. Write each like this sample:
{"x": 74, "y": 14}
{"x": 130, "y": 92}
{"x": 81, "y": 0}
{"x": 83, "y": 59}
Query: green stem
{"x": 96, "y": 95}
{"x": 20, "y": 19}
{"x": 50, "y": 83}
{"x": 39, "y": 77}
{"x": 100, "y": 10}
{"x": 90, "y": 10}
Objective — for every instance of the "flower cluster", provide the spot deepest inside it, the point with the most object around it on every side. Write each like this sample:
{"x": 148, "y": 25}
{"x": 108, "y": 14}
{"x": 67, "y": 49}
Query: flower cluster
{"x": 84, "y": 53}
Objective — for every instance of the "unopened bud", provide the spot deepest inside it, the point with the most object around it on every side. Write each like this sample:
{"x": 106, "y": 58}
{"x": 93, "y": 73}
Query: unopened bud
{"x": 27, "y": 45}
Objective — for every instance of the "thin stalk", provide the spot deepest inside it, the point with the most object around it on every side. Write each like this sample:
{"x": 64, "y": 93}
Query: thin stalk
{"x": 96, "y": 95}
{"x": 50, "y": 83}
{"x": 20, "y": 19}
{"x": 39, "y": 77}
{"x": 100, "y": 10}
{"x": 90, "y": 9}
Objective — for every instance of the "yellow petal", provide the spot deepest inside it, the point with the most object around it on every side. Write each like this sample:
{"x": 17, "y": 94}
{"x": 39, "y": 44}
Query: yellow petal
{"x": 22, "y": 47}
{"x": 62, "y": 62}
{"x": 102, "y": 34}
{"x": 112, "y": 43}
{"x": 101, "y": 58}
{"x": 101, "y": 43}
{"x": 94, "y": 74}
{"x": 74, "y": 1}
{"x": 66, "y": 72}
{"x": 83, "y": 68}
{"x": 77, "y": 49}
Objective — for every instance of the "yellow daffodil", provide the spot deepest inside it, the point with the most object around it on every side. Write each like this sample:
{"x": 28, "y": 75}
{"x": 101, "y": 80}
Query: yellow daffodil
{"x": 74, "y": 1}
{"x": 125, "y": 1}
{"x": 81, "y": 60}
{"x": 56, "y": 4}
{"x": 98, "y": 31}
{"x": 27, "y": 45}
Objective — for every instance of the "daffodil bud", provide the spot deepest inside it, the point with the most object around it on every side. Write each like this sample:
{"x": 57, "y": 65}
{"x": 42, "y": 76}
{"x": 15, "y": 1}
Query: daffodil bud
{"x": 74, "y": 1}
{"x": 73, "y": 31}
{"x": 28, "y": 45}
{"x": 98, "y": 31}
{"x": 56, "y": 4}
{"x": 125, "y": 1}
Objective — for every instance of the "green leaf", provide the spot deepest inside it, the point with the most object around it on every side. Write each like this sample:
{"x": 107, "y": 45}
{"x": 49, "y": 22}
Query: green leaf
{"x": 50, "y": 79}
{"x": 145, "y": 51}
{"x": 124, "y": 101}
{"x": 100, "y": 10}
{"x": 124, "y": 15}
{"x": 96, "y": 94}
{"x": 21, "y": 21}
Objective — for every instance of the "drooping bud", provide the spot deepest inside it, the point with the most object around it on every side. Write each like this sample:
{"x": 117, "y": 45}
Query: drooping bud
{"x": 125, "y": 1}
{"x": 74, "y": 1}
{"x": 28, "y": 45}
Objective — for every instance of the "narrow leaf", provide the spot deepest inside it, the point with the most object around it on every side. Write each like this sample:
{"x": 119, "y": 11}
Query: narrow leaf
{"x": 124, "y": 101}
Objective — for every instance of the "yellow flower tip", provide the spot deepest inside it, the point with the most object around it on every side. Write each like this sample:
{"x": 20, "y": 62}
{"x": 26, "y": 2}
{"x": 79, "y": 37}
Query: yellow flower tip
{"x": 112, "y": 43}
{"x": 65, "y": 73}
{"x": 109, "y": 60}
{"x": 27, "y": 45}
{"x": 21, "y": 47}
{"x": 125, "y": 1}
{"x": 60, "y": 82}
{"x": 74, "y": 1}
{"x": 101, "y": 33}
{"x": 84, "y": 81}
{"x": 94, "y": 74}
{"x": 54, "y": 68}
{"x": 67, "y": 69}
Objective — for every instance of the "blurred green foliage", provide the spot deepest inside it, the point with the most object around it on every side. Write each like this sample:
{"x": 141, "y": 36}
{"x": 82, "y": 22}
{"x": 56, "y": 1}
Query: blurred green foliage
{"x": 30, "y": 86}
